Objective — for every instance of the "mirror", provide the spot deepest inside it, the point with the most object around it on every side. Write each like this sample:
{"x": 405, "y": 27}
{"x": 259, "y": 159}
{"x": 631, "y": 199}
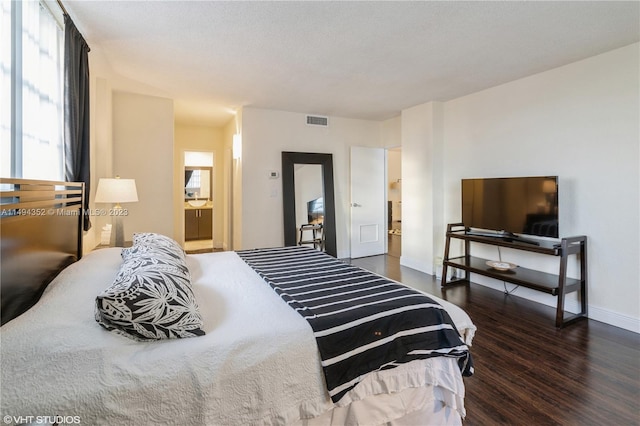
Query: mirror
{"x": 308, "y": 201}
{"x": 308, "y": 194}
{"x": 197, "y": 183}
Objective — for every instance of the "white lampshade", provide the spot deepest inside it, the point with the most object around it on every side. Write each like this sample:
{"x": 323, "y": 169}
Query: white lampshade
{"x": 116, "y": 191}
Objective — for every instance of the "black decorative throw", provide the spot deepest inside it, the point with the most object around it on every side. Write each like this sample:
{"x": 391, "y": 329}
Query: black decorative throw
{"x": 362, "y": 322}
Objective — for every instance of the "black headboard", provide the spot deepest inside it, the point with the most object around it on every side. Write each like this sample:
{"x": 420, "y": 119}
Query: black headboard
{"x": 40, "y": 235}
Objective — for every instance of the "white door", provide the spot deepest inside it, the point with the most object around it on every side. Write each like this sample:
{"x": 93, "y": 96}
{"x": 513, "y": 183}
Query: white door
{"x": 368, "y": 209}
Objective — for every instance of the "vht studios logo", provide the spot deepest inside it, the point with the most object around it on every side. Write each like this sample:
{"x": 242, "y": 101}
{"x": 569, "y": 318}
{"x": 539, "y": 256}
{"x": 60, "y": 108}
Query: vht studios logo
{"x": 46, "y": 420}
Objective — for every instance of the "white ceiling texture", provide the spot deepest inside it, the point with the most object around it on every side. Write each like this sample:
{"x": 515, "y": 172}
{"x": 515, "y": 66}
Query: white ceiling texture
{"x": 365, "y": 60}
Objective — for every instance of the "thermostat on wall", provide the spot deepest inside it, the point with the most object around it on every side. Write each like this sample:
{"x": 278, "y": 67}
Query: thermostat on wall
{"x": 274, "y": 174}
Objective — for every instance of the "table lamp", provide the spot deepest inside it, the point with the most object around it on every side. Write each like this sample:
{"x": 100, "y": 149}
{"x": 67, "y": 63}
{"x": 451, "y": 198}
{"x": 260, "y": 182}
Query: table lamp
{"x": 116, "y": 191}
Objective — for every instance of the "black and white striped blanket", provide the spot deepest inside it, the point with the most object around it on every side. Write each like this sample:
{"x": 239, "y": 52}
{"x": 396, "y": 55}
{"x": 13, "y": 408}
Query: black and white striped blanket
{"x": 362, "y": 322}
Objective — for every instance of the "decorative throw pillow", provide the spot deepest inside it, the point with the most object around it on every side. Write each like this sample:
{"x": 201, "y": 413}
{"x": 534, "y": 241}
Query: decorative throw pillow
{"x": 156, "y": 240}
{"x": 143, "y": 255}
{"x": 151, "y": 297}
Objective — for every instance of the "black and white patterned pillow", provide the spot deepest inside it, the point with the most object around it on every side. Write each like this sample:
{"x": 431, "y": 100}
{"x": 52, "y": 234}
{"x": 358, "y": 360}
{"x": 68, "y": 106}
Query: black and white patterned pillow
{"x": 144, "y": 255}
{"x": 156, "y": 240}
{"x": 151, "y": 297}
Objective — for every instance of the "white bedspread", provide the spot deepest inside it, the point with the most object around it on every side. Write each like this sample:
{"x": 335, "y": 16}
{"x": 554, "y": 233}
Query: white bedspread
{"x": 258, "y": 363}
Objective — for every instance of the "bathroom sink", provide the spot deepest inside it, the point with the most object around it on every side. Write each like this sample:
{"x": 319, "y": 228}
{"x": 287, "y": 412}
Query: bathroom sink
{"x": 197, "y": 203}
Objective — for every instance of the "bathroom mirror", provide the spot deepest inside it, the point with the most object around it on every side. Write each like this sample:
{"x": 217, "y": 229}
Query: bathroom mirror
{"x": 197, "y": 183}
{"x": 308, "y": 200}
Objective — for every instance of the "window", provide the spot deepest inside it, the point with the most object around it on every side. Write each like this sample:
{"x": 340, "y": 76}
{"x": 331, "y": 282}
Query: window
{"x": 31, "y": 91}
{"x": 194, "y": 180}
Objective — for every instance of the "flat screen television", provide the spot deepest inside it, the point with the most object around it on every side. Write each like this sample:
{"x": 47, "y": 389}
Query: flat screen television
{"x": 315, "y": 211}
{"x": 513, "y": 205}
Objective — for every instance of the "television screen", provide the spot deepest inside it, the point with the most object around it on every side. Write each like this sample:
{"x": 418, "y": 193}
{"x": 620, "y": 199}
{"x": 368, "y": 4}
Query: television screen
{"x": 518, "y": 205}
{"x": 315, "y": 211}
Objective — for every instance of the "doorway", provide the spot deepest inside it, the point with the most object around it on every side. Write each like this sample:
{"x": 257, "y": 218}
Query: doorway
{"x": 394, "y": 201}
{"x": 198, "y": 201}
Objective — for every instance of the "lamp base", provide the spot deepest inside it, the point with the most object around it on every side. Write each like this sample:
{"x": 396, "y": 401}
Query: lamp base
{"x": 117, "y": 232}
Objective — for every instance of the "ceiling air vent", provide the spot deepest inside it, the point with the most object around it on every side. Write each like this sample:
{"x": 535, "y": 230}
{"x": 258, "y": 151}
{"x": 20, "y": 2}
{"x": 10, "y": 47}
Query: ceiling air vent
{"x": 314, "y": 120}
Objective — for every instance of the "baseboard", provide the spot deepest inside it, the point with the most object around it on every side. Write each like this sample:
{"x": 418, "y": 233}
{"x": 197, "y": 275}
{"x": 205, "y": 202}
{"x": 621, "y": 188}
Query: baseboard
{"x": 417, "y": 264}
{"x": 614, "y": 318}
{"x": 596, "y": 313}
{"x": 572, "y": 304}
{"x": 344, "y": 254}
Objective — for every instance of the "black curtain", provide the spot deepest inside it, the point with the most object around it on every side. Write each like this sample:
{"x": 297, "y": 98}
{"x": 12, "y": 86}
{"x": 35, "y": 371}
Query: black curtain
{"x": 76, "y": 110}
{"x": 187, "y": 177}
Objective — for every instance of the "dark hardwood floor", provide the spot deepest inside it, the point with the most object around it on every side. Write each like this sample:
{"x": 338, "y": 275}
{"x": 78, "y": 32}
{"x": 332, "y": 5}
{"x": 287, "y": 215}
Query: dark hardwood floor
{"x": 527, "y": 372}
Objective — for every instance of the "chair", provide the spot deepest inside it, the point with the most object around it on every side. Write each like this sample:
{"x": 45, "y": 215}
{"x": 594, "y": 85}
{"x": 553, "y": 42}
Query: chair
{"x": 316, "y": 238}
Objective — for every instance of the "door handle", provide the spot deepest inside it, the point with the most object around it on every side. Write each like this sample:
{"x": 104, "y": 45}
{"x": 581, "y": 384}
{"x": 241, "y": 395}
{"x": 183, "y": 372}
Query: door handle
{"x": 356, "y": 205}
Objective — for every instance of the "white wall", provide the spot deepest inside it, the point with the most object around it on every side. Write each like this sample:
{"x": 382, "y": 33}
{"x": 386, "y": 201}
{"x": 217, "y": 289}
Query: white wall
{"x": 265, "y": 134}
{"x": 391, "y": 132}
{"x": 421, "y": 185}
{"x": 580, "y": 122}
{"x": 235, "y": 178}
{"x": 143, "y": 150}
{"x": 132, "y": 129}
{"x": 101, "y": 153}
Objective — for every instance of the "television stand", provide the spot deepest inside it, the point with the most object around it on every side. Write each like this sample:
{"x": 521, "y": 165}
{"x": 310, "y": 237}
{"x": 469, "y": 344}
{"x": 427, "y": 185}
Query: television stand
{"x": 557, "y": 285}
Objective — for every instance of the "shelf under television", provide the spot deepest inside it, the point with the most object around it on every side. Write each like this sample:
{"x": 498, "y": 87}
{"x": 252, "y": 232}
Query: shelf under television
{"x": 525, "y": 277}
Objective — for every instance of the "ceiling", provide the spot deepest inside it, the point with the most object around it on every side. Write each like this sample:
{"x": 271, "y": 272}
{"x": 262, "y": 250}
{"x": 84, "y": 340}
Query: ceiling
{"x": 366, "y": 60}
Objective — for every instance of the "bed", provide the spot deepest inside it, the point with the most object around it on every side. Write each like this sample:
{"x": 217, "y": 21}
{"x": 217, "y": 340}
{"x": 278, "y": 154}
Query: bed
{"x": 257, "y": 363}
